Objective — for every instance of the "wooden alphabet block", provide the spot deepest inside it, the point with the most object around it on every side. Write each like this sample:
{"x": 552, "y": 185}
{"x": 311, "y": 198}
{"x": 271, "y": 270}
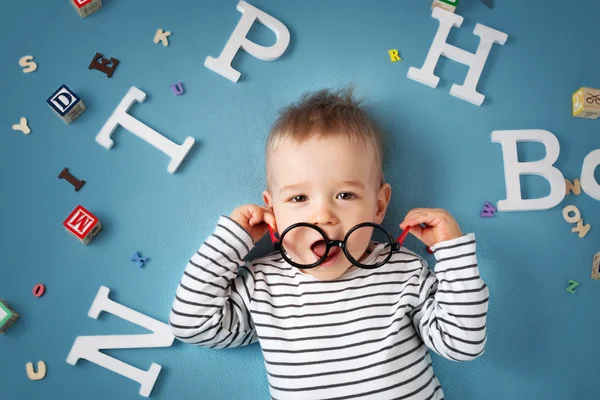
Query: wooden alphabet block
{"x": 83, "y": 225}
{"x": 86, "y": 8}
{"x": 448, "y": 5}
{"x": 586, "y": 103}
{"x": 8, "y": 316}
{"x": 66, "y": 104}
{"x": 596, "y": 266}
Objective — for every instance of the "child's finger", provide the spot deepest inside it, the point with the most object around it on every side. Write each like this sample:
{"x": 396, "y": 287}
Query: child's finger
{"x": 412, "y": 218}
{"x": 427, "y": 218}
{"x": 414, "y": 213}
{"x": 432, "y": 213}
{"x": 269, "y": 217}
{"x": 257, "y": 215}
{"x": 417, "y": 231}
{"x": 410, "y": 222}
{"x": 270, "y": 220}
{"x": 272, "y": 223}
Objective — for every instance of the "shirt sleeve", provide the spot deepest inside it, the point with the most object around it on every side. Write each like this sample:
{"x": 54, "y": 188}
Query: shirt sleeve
{"x": 211, "y": 306}
{"x": 453, "y": 302}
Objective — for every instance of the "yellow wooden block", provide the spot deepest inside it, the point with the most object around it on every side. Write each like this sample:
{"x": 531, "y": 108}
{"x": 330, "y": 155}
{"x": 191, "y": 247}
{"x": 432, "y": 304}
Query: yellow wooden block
{"x": 596, "y": 266}
{"x": 586, "y": 103}
{"x": 445, "y": 6}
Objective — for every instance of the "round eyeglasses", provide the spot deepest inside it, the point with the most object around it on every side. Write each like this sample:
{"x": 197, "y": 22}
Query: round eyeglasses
{"x": 309, "y": 246}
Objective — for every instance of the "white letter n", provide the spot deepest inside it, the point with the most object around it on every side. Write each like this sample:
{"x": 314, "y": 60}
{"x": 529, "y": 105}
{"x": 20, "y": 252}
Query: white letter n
{"x": 88, "y": 347}
{"x": 468, "y": 90}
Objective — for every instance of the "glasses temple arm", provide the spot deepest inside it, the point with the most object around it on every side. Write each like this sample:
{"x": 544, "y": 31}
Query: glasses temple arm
{"x": 402, "y": 236}
{"x": 272, "y": 234}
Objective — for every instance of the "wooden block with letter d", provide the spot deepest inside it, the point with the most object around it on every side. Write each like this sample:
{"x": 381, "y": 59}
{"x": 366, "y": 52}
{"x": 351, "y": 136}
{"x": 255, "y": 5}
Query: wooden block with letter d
{"x": 586, "y": 103}
{"x": 8, "y": 316}
{"x": 83, "y": 225}
{"x": 66, "y": 104}
{"x": 86, "y": 7}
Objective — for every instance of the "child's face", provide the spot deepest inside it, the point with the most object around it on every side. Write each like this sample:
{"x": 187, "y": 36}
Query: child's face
{"x": 330, "y": 183}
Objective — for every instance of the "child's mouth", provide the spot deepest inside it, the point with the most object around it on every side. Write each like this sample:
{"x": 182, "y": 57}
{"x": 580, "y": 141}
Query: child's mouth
{"x": 319, "y": 248}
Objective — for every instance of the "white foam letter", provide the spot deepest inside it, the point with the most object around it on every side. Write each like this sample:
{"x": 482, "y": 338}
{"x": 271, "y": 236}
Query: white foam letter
{"x": 143, "y": 131}
{"x": 88, "y": 347}
{"x": 588, "y": 183}
{"x": 222, "y": 65}
{"x": 468, "y": 90}
{"x": 513, "y": 169}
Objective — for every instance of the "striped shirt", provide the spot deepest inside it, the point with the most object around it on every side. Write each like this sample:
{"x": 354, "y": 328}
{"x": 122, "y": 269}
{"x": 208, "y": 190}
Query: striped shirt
{"x": 364, "y": 335}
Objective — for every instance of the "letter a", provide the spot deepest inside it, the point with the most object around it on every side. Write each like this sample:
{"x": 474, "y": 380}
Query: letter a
{"x": 88, "y": 347}
{"x": 513, "y": 169}
{"x": 468, "y": 90}
{"x": 238, "y": 40}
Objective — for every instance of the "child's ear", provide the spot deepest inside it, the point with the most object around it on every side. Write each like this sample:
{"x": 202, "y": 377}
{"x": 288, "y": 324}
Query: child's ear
{"x": 267, "y": 198}
{"x": 383, "y": 199}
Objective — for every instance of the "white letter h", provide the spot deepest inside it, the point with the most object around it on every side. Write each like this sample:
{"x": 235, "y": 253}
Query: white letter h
{"x": 468, "y": 90}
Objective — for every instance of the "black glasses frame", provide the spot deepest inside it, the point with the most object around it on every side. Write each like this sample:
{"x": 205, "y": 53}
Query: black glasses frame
{"x": 394, "y": 244}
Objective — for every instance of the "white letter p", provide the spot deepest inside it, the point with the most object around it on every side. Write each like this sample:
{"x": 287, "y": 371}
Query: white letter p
{"x": 222, "y": 65}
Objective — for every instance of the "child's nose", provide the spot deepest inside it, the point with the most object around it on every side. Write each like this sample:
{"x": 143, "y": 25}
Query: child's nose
{"x": 324, "y": 216}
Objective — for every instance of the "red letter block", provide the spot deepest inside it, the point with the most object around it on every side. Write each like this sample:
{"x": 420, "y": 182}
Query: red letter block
{"x": 86, "y": 7}
{"x": 83, "y": 225}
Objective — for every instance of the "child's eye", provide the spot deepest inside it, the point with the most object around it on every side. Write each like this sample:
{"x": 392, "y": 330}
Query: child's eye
{"x": 347, "y": 195}
{"x": 298, "y": 199}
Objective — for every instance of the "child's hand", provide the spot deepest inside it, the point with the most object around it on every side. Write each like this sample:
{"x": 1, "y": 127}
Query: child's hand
{"x": 254, "y": 219}
{"x": 440, "y": 225}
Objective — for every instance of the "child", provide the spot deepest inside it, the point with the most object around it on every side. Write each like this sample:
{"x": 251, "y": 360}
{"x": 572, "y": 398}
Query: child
{"x": 335, "y": 330}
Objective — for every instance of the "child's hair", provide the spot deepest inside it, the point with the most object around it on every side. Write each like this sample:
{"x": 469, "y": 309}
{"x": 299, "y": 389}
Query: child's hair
{"x": 323, "y": 114}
